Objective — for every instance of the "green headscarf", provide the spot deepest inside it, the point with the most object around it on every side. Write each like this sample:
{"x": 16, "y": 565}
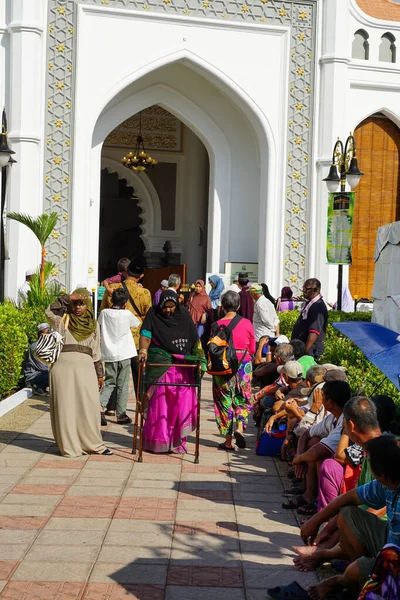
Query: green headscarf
{"x": 82, "y": 327}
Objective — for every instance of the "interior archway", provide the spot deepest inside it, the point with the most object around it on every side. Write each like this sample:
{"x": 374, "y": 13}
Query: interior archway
{"x": 120, "y": 223}
{"x": 378, "y": 195}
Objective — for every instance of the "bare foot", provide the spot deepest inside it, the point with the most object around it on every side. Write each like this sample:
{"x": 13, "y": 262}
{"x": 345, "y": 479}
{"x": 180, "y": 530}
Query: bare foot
{"x": 304, "y": 550}
{"x": 325, "y": 588}
{"x": 308, "y": 563}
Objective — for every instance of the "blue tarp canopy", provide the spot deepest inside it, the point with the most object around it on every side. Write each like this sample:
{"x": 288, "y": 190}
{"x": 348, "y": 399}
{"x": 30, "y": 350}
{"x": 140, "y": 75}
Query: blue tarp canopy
{"x": 380, "y": 345}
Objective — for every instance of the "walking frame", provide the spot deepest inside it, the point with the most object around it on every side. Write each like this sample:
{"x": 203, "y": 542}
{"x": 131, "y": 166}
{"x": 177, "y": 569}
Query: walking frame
{"x": 141, "y": 392}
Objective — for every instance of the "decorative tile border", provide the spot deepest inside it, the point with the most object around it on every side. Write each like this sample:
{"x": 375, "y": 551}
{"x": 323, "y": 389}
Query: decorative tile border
{"x": 301, "y": 16}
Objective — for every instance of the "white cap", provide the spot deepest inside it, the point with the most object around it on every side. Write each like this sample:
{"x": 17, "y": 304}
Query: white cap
{"x": 81, "y": 285}
{"x": 164, "y": 283}
{"x": 30, "y": 272}
{"x": 293, "y": 369}
{"x": 281, "y": 339}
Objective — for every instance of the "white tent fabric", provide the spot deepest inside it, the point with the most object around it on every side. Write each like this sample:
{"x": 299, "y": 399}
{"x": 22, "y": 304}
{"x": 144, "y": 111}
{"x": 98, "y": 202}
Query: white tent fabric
{"x": 386, "y": 291}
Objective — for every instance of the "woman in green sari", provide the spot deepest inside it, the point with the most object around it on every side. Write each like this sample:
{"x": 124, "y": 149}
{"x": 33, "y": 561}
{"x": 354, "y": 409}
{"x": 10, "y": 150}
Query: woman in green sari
{"x": 169, "y": 335}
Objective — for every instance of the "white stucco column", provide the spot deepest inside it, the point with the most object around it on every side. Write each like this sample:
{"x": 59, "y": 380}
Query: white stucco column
{"x": 25, "y": 111}
{"x": 333, "y": 95}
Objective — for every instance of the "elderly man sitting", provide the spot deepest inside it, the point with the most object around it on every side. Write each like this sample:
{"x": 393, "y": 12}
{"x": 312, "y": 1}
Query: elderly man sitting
{"x": 317, "y": 444}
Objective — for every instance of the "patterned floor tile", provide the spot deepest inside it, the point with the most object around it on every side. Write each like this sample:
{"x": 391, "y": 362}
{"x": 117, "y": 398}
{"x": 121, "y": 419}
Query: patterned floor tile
{"x": 40, "y": 488}
{"x": 59, "y": 464}
{"x": 151, "y": 509}
{"x": 114, "y": 591}
{"x": 6, "y": 568}
{"x": 42, "y": 590}
{"x": 22, "y": 522}
{"x": 101, "y": 507}
{"x": 205, "y": 469}
{"x": 206, "y": 527}
{"x": 207, "y": 576}
{"x": 212, "y": 495}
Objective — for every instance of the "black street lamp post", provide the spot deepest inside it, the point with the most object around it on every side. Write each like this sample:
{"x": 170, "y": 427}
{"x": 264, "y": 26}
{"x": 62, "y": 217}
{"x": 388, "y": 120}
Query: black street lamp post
{"x": 344, "y": 169}
{"x": 6, "y": 159}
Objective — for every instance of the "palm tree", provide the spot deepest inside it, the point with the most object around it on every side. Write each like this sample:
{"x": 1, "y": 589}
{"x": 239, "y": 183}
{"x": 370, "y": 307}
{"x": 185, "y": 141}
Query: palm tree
{"x": 41, "y": 226}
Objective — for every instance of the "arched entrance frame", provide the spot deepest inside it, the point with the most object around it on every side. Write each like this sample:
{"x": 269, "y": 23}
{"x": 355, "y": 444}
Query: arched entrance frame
{"x": 271, "y": 215}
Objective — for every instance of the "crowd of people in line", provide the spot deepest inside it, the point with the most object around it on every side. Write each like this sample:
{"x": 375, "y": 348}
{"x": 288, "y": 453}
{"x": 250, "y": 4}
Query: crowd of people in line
{"x": 343, "y": 455}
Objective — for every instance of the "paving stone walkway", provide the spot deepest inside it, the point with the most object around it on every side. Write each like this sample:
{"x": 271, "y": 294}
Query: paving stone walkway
{"x": 107, "y": 528}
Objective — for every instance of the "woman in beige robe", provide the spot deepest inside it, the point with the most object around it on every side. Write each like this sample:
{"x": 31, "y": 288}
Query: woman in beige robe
{"x": 76, "y": 377}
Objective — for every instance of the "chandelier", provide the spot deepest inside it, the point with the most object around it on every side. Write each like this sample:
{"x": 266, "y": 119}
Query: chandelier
{"x": 139, "y": 160}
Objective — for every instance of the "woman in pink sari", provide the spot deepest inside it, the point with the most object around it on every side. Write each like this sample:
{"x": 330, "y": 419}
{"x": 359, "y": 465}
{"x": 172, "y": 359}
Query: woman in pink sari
{"x": 169, "y": 335}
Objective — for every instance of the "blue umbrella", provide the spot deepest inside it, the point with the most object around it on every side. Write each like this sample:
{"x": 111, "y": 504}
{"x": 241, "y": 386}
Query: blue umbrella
{"x": 380, "y": 345}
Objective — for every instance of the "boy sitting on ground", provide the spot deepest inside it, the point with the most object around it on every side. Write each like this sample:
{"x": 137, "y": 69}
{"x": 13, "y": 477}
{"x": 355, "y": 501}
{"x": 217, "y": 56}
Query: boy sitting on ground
{"x": 117, "y": 349}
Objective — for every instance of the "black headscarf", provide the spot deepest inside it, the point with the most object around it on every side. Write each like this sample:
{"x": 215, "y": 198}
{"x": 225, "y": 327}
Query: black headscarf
{"x": 176, "y": 334}
{"x": 267, "y": 293}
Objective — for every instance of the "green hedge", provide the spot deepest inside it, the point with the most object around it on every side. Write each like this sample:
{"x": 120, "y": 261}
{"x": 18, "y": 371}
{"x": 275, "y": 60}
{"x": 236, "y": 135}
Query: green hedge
{"x": 18, "y": 328}
{"x": 339, "y": 350}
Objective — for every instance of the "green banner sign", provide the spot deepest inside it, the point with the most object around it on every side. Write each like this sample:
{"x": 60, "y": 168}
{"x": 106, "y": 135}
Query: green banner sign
{"x": 340, "y": 228}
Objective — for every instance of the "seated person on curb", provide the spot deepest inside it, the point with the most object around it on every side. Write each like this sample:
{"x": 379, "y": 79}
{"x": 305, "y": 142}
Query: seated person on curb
{"x": 363, "y": 421}
{"x": 362, "y": 535}
{"x": 299, "y": 353}
{"x": 296, "y": 409}
{"x": 117, "y": 349}
{"x": 37, "y": 371}
{"x": 266, "y": 396}
{"x": 292, "y": 373}
{"x": 302, "y": 418}
{"x": 317, "y": 444}
{"x": 265, "y": 364}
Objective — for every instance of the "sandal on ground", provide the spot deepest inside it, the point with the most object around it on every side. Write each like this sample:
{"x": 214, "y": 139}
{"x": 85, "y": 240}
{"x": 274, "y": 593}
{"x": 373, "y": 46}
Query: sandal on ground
{"x": 239, "y": 439}
{"x": 110, "y": 413}
{"x": 308, "y": 509}
{"x": 294, "y": 491}
{"x": 293, "y": 591}
{"x": 103, "y": 420}
{"x": 222, "y": 446}
{"x": 295, "y": 502}
{"x": 107, "y": 452}
{"x": 124, "y": 420}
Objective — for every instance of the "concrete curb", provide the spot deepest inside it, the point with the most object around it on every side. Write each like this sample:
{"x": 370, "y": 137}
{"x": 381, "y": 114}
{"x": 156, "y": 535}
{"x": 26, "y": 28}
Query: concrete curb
{"x": 15, "y": 400}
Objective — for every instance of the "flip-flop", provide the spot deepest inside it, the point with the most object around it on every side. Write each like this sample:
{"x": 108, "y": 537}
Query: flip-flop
{"x": 222, "y": 446}
{"x": 293, "y": 591}
{"x": 124, "y": 420}
{"x": 295, "y": 502}
{"x": 308, "y": 509}
{"x": 239, "y": 439}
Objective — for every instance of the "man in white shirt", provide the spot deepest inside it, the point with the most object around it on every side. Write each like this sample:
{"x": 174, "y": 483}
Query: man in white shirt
{"x": 25, "y": 287}
{"x": 265, "y": 319}
{"x": 117, "y": 349}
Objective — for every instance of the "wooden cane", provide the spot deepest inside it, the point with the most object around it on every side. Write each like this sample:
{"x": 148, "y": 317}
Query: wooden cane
{"x": 138, "y": 402}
